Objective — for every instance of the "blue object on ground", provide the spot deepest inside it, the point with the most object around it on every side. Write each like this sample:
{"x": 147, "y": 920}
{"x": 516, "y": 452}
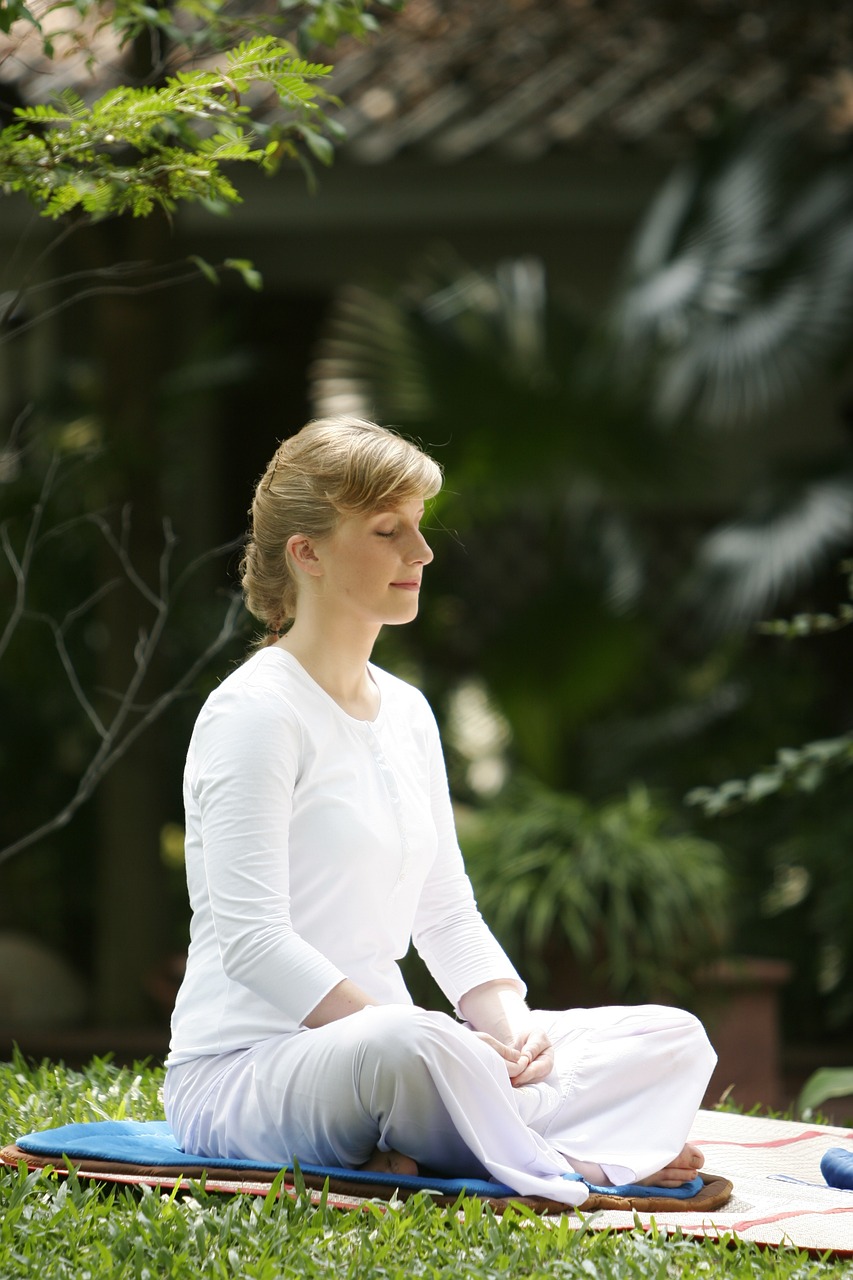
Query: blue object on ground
{"x": 151, "y": 1143}
{"x": 837, "y": 1168}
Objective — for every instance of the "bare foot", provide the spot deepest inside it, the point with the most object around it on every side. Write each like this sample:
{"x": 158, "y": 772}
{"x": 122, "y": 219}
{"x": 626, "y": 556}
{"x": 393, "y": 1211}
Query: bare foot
{"x": 680, "y": 1170}
{"x": 391, "y": 1162}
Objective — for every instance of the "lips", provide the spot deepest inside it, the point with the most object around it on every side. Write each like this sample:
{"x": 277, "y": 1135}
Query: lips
{"x": 414, "y": 585}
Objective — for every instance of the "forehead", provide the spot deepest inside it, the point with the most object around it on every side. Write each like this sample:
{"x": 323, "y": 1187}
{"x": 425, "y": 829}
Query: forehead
{"x": 406, "y": 507}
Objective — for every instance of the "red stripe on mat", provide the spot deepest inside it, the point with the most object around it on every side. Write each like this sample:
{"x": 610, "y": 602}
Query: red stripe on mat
{"x": 777, "y": 1142}
{"x": 789, "y": 1213}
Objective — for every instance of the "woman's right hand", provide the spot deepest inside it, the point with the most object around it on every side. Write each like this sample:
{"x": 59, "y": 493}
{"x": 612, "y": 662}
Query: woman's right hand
{"x": 533, "y": 1062}
{"x": 515, "y": 1064}
{"x": 525, "y": 1065}
{"x": 536, "y": 1047}
{"x": 512, "y": 1057}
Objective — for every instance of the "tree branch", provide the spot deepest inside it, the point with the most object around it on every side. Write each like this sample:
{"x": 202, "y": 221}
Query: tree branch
{"x": 20, "y": 568}
{"x": 114, "y": 744}
{"x": 97, "y": 291}
{"x": 130, "y": 716}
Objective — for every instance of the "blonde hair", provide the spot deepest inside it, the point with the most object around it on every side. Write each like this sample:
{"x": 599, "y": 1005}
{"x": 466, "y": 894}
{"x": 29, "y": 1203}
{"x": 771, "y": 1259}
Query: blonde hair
{"x": 333, "y": 467}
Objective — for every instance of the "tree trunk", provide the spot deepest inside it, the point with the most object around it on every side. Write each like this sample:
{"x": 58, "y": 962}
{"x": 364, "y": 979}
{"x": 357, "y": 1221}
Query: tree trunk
{"x": 131, "y": 340}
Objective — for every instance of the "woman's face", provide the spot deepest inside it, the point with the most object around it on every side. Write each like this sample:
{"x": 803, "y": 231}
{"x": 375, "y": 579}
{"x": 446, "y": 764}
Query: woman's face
{"x": 372, "y": 564}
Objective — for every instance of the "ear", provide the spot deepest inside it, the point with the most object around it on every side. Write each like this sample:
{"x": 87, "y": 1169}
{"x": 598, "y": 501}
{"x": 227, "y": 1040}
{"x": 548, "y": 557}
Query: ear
{"x": 301, "y": 553}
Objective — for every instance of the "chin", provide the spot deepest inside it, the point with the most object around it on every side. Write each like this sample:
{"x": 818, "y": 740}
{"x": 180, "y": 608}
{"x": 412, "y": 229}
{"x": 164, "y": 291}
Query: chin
{"x": 400, "y": 619}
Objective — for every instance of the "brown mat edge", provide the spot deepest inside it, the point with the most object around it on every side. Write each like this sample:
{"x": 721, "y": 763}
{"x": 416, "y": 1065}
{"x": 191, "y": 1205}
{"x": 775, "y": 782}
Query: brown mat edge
{"x": 713, "y": 1195}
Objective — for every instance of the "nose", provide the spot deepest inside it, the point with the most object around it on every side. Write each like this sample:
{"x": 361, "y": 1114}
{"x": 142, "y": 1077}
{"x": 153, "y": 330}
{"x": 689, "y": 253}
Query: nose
{"x": 421, "y": 552}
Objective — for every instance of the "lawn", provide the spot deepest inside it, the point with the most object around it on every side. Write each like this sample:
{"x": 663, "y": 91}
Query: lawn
{"x": 62, "y": 1228}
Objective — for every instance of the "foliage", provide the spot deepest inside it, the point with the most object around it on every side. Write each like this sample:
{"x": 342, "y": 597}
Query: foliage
{"x": 630, "y": 896}
{"x": 66, "y": 1228}
{"x": 138, "y": 148}
{"x": 193, "y": 23}
{"x": 142, "y": 146}
{"x": 735, "y": 302}
{"x": 810, "y": 862}
{"x": 738, "y": 287}
{"x": 823, "y": 1085}
{"x": 803, "y": 768}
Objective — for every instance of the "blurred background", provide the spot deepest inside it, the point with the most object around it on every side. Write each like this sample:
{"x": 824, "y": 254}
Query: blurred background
{"x": 598, "y": 259}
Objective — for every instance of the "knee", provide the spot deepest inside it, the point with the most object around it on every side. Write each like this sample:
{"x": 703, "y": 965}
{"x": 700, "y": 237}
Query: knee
{"x": 401, "y": 1042}
{"x": 680, "y": 1036}
{"x": 703, "y": 1044}
{"x": 694, "y": 1040}
{"x": 394, "y": 1036}
{"x": 387, "y": 1025}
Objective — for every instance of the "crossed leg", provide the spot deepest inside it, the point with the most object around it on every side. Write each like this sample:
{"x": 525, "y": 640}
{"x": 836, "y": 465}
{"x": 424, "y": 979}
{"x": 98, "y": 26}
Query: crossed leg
{"x": 680, "y": 1170}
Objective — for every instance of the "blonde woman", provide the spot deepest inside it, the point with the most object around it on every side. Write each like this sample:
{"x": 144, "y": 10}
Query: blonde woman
{"x": 320, "y": 843}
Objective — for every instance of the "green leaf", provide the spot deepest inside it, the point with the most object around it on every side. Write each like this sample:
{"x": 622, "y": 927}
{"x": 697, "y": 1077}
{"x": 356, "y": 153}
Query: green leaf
{"x": 247, "y": 270}
{"x": 826, "y": 1083}
{"x": 318, "y": 145}
{"x": 204, "y": 267}
{"x": 764, "y": 784}
{"x": 12, "y": 11}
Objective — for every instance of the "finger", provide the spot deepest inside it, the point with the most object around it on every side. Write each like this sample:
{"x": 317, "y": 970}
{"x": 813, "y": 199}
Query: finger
{"x": 539, "y": 1069}
{"x": 533, "y": 1075}
{"x": 535, "y": 1044}
{"x": 513, "y": 1060}
{"x": 505, "y": 1050}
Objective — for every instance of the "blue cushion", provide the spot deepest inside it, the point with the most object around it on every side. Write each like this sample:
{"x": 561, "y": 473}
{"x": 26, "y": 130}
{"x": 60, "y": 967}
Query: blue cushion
{"x": 150, "y": 1142}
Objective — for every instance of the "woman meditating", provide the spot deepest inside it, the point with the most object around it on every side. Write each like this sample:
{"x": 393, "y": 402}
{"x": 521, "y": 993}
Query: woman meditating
{"x": 320, "y": 842}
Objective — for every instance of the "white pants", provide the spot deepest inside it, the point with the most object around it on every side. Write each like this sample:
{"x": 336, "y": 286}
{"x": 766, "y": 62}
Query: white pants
{"x": 626, "y": 1086}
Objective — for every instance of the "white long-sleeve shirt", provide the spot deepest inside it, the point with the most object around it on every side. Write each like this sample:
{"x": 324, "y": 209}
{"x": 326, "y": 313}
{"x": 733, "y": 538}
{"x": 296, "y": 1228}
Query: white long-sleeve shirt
{"x": 317, "y": 847}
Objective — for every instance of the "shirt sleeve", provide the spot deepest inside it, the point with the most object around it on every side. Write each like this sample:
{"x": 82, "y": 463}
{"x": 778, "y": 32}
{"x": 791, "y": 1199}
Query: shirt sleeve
{"x": 244, "y": 768}
{"x": 451, "y": 936}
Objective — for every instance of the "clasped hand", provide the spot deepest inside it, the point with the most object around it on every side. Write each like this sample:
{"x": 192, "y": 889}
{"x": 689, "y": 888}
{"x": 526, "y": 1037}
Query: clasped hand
{"x": 528, "y": 1061}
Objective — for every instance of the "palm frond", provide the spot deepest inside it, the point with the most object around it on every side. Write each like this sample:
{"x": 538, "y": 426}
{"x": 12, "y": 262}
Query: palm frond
{"x": 368, "y": 363}
{"x": 753, "y": 561}
{"x": 740, "y": 285}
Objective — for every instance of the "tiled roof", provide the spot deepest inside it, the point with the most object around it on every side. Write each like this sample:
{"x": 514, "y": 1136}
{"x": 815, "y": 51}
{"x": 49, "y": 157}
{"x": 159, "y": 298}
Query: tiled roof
{"x": 453, "y": 79}
{"x": 448, "y": 80}
{"x": 88, "y": 58}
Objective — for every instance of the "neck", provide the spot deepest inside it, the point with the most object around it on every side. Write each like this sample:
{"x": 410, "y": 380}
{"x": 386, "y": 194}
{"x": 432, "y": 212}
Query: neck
{"x": 335, "y": 652}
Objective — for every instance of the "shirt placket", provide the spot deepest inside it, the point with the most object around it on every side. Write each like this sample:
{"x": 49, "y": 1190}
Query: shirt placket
{"x": 389, "y": 778}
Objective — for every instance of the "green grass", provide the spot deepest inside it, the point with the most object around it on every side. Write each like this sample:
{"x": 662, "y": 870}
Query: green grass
{"x": 56, "y": 1228}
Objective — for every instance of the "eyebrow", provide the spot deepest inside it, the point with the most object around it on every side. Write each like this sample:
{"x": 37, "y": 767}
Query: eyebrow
{"x": 393, "y": 511}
